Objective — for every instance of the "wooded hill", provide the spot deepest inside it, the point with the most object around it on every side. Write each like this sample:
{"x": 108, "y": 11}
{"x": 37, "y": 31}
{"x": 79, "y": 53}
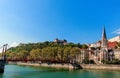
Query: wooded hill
{"x": 45, "y": 51}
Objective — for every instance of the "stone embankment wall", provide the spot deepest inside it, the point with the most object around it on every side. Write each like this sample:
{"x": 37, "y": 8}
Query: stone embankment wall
{"x": 70, "y": 66}
{"x": 45, "y": 65}
{"x": 100, "y": 67}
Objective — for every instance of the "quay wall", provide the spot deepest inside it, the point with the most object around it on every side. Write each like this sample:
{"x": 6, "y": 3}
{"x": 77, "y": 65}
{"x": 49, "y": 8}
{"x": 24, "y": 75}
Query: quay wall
{"x": 68, "y": 66}
{"x": 100, "y": 67}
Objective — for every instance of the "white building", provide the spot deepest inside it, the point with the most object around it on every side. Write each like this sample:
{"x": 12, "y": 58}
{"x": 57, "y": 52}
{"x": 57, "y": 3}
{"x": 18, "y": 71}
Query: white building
{"x": 117, "y": 54}
{"x": 97, "y": 44}
{"x": 115, "y": 39}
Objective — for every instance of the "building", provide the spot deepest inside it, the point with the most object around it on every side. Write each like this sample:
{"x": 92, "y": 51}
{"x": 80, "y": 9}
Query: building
{"x": 96, "y": 44}
{"x": 112, "y": 45}
{"x": 105, "y": 52}
{"x": 117, "y": 54}
{"x": 99, "y": 55}
{"x": 115, "y": 39}
{"x": 103, "y": 55}
{"x": 60, "y": 41}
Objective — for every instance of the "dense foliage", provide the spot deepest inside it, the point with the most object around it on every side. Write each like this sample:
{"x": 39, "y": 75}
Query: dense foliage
{"x": 46, "y": 51}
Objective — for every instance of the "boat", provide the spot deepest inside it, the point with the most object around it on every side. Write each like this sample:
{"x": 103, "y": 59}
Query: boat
{"x": 3, "y": 59}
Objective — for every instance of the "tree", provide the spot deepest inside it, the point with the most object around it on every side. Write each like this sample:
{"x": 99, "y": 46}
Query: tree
{"x": 54, "y": 51}
{"x": 60, "y": 53}
{"x": 23, "y": 54}
{"x": 84, "y": 46}
{"x": 36, "y": 54}
{"x": 47, "y": 53}
{"x": 12, "y": 56}
{"x": 75, "y": 54}
{"x": 118, "y": 45}
{"x": 67, "y": 54}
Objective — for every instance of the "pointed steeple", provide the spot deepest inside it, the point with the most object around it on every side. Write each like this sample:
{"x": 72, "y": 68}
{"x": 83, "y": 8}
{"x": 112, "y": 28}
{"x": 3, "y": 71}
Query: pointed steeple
{"x": 104, "y": 39}
{"x": 104, "y": 33}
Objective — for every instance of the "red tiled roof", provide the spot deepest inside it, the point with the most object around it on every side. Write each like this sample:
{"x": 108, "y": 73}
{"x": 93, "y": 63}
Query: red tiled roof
{"x": 112, "y": 44}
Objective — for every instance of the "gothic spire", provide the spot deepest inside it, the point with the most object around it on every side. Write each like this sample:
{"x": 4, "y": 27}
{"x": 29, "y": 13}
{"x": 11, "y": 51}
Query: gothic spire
{"x": 104, "y": 39}
{"x": 104, "y": 34}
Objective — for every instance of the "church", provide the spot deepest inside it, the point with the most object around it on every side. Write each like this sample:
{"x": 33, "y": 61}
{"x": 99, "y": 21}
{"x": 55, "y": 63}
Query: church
{"x": 105, "y": 54}
{"x": 102, "y": 54}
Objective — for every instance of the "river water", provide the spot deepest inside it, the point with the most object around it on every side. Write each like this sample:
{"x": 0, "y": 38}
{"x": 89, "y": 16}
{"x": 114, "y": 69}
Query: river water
{"x": 16, "y": 71}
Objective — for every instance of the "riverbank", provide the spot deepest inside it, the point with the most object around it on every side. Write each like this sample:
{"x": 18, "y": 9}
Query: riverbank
{"x": 70, "y": 66}
{"x": 100, "y": 67}
{"x": 18, "y": 71}
{"x": 66, "y": 66}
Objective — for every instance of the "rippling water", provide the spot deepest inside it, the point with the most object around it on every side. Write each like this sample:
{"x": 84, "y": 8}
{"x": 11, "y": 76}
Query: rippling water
{"x": 16, "y": 71}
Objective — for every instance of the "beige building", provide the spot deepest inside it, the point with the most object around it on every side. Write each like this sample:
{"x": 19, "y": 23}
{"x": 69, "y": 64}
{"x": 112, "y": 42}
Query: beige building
{"x": 97, "y": 44}
{"x": 115, "y": 39}
{"x": 117, "y": 54}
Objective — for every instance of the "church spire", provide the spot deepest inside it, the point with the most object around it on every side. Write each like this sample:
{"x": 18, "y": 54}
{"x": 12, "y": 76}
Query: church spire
{"x": 104, "y": 39}
{"x": 104, "y": 33}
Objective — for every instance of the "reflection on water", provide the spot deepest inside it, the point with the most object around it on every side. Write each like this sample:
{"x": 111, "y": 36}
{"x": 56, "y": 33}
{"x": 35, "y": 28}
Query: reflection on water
{"x": 15, "y": 71}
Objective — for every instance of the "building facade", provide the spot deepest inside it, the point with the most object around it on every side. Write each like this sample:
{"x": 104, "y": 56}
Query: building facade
{"x": 117, "y": 54}
{"x": 105, "y": 52}
{"x": 60, "y": 41}
{"x": 115, "y": 39}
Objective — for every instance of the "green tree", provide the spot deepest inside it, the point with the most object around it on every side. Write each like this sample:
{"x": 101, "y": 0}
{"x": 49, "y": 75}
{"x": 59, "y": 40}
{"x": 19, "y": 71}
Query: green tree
{"x": 60, "y": 53}
{"x": 84, "y": 46}
{"x": 67, "y": 54}
{"x": 75, "y": 54}
{"x": 23, "y": 54}
{"x": 47, "y": 53}
{"x": 36, "y": 54}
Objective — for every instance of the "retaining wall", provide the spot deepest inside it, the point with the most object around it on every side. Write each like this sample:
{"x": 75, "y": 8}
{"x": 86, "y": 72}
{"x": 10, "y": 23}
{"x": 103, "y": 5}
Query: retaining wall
{"x": 45, "y": 65}
{"x": 103, "y": 67}
{"x": 70, "y": 66}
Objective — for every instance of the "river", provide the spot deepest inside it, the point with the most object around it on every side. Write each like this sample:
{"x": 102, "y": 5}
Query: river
{"x": 16, "y": 71}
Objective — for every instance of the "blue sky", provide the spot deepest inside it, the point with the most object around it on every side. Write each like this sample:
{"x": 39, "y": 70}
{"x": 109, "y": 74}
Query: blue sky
{"x": 79, "y": 21}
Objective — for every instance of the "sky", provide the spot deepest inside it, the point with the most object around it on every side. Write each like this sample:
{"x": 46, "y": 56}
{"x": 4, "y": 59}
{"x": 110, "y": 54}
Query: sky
{"x": 78, "y": 21}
